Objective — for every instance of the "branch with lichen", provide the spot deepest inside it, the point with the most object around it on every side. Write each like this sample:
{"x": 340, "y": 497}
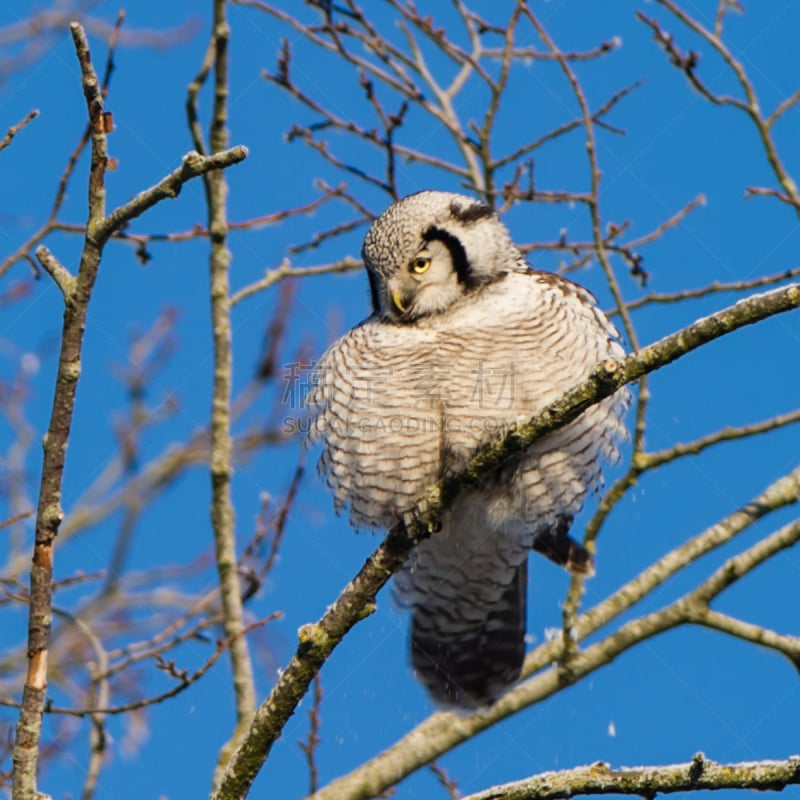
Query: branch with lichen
{"x": 318, "y": 640}
{"x": 223, "y": 523}
{"x": 77, "y": 292}
{"x": 441, "y": 732}
{"x": 700, "y": 773}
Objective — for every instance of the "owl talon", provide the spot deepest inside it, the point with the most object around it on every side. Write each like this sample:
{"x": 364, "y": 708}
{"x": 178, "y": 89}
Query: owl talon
{"x": 579, "y": 560}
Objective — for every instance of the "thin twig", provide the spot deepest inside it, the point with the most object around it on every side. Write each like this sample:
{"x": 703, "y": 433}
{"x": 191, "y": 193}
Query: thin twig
{"x": 713, "y": 288}
{"x": 310, "y": 744}
{"x": 184, "y": 680}
{"x": 286, "y": 270}
{"x": 572, "y": 602}
{"x": 644, "y": 462}
{"x": 15, "y": 129}
{"x": 750, "y": 106}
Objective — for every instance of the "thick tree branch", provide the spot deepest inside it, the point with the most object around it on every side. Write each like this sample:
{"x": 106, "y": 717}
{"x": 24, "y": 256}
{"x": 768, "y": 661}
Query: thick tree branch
{"x": 49, "y": 512}
{"x": 357, "y": 600}
{"x": 755, "y": 634}
{"x": 441, "y": 732}
{"x": 223, "y": 520}
{"x": 699, "y": 773}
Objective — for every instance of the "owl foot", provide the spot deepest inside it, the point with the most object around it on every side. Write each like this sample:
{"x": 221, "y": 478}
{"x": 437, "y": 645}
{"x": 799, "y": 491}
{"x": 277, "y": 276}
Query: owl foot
{"x": 557, "y": 545}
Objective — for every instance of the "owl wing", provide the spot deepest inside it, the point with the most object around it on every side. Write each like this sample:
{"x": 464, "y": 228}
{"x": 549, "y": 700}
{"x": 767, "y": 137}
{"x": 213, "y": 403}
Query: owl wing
{"x": 376, "y": 411}
{"x": 528, "y": 340}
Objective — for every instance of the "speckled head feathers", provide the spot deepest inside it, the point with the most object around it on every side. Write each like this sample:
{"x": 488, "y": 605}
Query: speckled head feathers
{"x": 449, "y": 227}
{"x": 404, "y": 227}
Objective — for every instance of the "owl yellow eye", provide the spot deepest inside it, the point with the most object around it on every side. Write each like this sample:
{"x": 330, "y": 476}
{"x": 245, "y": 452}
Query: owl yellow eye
{"x": 420, "y": 264}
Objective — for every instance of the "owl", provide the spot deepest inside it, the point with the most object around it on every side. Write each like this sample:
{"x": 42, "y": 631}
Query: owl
{"x": 464, "y": 340}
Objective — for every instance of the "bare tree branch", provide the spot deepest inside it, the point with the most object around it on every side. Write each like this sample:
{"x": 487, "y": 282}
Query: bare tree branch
{"x": 285, "y": 270}
{"x": 221, "y": 442}
{"x": 688, "y": 62}
{"x": 77, "y": 294}
{"x": 15, "y": 129}
{"x": 442, "y": 731}
{"x": 699, "y": 773}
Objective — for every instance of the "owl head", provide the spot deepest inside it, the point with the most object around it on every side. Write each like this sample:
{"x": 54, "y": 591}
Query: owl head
{"x": 427, "y": 251}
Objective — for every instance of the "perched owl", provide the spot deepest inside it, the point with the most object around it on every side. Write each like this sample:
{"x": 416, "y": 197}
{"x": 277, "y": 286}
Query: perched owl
{"x": 464, "y": 339}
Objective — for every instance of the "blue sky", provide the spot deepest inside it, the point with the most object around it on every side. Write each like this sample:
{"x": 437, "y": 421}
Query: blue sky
{"x": 685, "y": 691}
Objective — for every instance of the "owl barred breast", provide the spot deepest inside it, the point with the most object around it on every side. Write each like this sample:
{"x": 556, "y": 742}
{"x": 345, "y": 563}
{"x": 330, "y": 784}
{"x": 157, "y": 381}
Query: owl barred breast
{"x": 464, "y": 340}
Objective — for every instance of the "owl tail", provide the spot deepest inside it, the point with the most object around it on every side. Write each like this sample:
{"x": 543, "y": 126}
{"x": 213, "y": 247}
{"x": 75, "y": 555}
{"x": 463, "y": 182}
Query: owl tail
{"x": 469, "y": 666}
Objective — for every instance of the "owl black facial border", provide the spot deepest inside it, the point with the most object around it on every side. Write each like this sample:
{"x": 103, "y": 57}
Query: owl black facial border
{"x": 461, "y": 265}
{"x": 470, "y": 213}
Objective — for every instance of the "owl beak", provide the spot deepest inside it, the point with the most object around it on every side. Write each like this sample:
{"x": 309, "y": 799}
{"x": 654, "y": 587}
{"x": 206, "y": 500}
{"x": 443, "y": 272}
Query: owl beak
{"x": 402, "y": 293}
{"x": 397, "y": 301}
